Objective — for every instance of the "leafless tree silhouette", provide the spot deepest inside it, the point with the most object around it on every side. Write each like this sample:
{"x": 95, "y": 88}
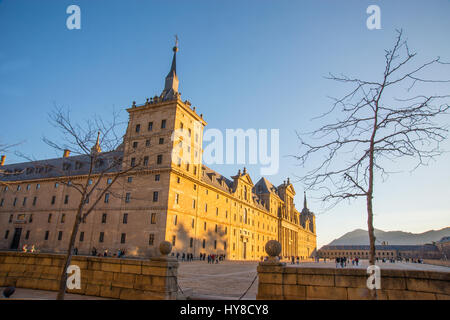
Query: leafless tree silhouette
{"x": 375, "y": 126}
{"x": 88, "y": 139}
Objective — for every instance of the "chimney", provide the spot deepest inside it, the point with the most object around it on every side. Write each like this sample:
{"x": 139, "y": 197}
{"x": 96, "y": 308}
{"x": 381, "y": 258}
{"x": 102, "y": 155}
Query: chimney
{"x": 2, "y": 161}
{"x": 66, "y": 153}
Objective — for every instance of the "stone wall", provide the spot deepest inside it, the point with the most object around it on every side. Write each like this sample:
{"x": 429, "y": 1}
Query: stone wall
{"x": 102, "y": 277}
{"x": 278, "y": 282}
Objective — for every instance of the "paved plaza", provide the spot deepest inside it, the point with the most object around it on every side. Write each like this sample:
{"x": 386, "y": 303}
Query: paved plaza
{"x": 225, "y": 280}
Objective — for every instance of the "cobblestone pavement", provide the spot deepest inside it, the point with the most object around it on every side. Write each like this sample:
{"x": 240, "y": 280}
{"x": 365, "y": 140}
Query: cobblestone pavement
{"x": 230, "y": 279}
{"x": 226, "y": 280}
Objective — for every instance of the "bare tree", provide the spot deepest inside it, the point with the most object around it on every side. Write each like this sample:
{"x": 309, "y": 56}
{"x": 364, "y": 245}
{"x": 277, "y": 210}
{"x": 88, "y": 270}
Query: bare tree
{"x": 97, "y": 141}
{"x": 375, "y": 127}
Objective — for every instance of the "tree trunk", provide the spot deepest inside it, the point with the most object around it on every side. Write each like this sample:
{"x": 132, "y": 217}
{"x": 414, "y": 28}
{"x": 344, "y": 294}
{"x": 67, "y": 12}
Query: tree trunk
{"x": 62, "y": 283}
{"x": 371, "y": 230}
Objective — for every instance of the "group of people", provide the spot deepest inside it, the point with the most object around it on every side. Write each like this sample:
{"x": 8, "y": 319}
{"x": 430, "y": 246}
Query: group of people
{"x": 185, "y": 256}
{"x": 32, "y": 249}
{"x": 120, "y": 253}
{"x": 342, "y": 261}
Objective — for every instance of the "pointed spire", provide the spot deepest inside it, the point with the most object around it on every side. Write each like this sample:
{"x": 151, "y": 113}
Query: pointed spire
{"x": 96, "y": 148}
{"x": 304, "y": 200}
{"x": 171, "y": 84}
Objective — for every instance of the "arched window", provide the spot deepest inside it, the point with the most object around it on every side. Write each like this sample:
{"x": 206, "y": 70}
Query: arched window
{"x": 245, "y": 216}
{"x": 245, "y": 193}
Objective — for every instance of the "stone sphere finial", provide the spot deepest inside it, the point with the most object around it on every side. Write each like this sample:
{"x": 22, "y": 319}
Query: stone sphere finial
{"x": 165, "y": 248}
{"x": 273, "y": 248}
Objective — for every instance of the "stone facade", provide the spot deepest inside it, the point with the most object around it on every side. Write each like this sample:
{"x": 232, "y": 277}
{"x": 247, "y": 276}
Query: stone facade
{"x": 172, "y": 196}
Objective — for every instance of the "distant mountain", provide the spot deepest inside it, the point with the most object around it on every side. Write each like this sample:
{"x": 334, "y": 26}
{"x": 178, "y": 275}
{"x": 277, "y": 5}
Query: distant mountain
{"x": 361, "y": 237}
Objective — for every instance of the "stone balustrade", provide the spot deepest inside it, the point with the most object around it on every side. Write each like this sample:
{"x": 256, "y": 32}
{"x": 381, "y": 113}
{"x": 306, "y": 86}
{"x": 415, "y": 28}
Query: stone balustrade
{"x": 280, "y": 282}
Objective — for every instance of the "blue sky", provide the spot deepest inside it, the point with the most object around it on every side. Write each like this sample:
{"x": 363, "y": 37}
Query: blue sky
{"x": 243, "y": 64}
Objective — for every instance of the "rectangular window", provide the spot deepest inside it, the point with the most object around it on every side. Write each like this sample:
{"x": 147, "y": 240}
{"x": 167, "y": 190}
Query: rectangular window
{"x": 161, "y": 140}
{"x": 101, "y": 237}
{"x": 106, "y": 197}
{"x": 104, "y": 218}
{"x": 203, "y": 243}
{"x": 157, "y": 177}
{"x": 155, "y": 196}
{"x": 177, "y": 198}
{"x": 38, "y": 186}
{"x": 130, "y": 179}
{"x": 66, "y": 199}
{"x": 125, "y": 218}
{"x": 63, "y": 218}
{"x": 10, "y": 218}
{"x": 224, "y": 245}
{"x": 215, "y": 244}
{"x": 192, "y": 223}
{"x": 46, "y": 235}
{"x": 159, "y": 159}
{"x": 146, "y": 161}
{"x": 1, "y": 202}
{"x": 193, "y": 203}
{"x": 27, "y": 235}
{"x": 15, "y": 201}
{"x": 195, "y": 170}
{"x": 175, "y": 220}
{"x": 135, "y": 144}
{"x": 81, "y": 236}
{"x": 34, "y": 201}
{"x": 138, "y": 127}
{"x": 49, "y": 218}
{"x": 147, "y": 143}
{"x": 122, "y": 238}
{"x": 216, "y": 228}
{"x": 174, "y": 240}
{"x": 6, "y": 234}
{"x": 191, "y": 242}
{"x": 133, "y": 162}
{"x": 30, "y": 219}
{"x": 24, "y": 201}
{"x": 163, "y": 124}
{"x": 127, "y": 197}
{"x": 150, "y": 126}
{"x": 153, "y": 218}
{"x": 60, "y": 233}
{"x": 151, "y": 239}
{"x": 109, "y": 181}
{"x": 206, "y": 207}
{"x": 204, "y": 226}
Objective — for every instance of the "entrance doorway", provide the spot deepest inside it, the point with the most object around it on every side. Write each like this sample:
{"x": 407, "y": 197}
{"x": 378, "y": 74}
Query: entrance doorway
{"x": 16, "y": 239}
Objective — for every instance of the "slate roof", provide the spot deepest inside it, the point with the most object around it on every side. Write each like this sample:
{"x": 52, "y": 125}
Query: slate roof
{"x": 58, "y": 167}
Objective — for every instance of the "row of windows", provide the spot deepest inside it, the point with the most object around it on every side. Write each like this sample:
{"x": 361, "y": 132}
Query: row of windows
{"x": 150, "y": 126}
{"x": 159, "y": 159}
{"x": 366, "y": 253}
{"x": 19, "y": 187}
{"x": 147, "y": 142}
{"x": 56, "y": 185}
{"x": 81, "y": 237}
{"x": 191, "y": 243}
{"x": 21, "y": 217}
{"x": 66, "y": 198}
